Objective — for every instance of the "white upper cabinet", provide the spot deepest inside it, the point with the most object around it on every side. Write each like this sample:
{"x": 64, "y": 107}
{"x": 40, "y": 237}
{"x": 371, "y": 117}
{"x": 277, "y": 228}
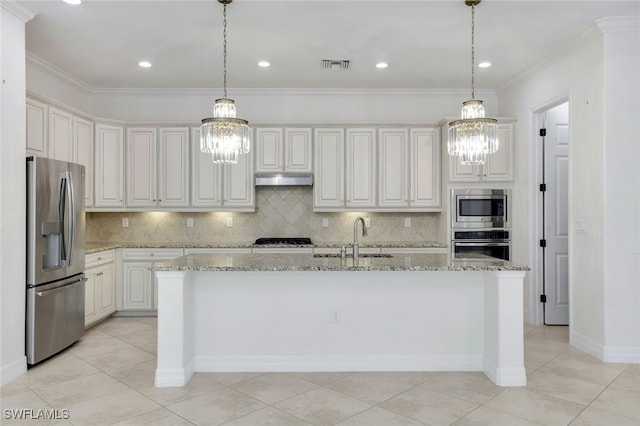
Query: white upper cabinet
{"x": 173, "y": 170}
{"x": 394, "y": 167}
{"x": 37, "y": 115}
{"x": 60, "y": 135}
{"x": 158, "y": 167}
{"x": 206, "y": 176}
{"x": 109, "y": 166}
{"x": 329, "y": 151}
{"x": 221, "y": 187}
{"x": 83, "y": 150}
{"x": 297, "y": 150}
{"x": 360, "y": 168}
{"x": 283, "y": 150}
{"x": 424, "y": 175}
{"x": 239, "y": 189}
{"x": 141, "y": 167}
{"x": 499, "y": 165}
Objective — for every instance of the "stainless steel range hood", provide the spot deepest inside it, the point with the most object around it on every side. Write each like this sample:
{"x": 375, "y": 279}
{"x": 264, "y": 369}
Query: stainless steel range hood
{"x": 283, "y": 179}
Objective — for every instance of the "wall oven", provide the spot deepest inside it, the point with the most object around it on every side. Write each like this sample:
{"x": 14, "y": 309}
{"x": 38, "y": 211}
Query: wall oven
{"x": 481, "y": 245}
{"x": 480, "y": 208}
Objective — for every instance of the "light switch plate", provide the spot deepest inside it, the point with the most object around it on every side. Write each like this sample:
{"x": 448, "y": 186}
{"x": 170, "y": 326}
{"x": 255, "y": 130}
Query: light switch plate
{"x": 189, "y": 222}
{"x": 367, "y": 222}
{"x": 230, "y": 221}
{"x": 325, "y": 222}
{"x": 125, "y": 222}
{"x": 407, "y": 222}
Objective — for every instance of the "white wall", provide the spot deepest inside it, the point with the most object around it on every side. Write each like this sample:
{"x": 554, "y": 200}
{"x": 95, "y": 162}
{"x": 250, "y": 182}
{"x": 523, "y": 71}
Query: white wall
{"x": 592, "y": 78}
{"x": 621, "y": 192}
{"x": 12, "y": 191}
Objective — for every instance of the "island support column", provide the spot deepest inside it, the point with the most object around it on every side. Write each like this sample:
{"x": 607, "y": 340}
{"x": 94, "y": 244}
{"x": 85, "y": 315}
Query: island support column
{"x": 175, "y": 339}
{"x": 504, "y": 332}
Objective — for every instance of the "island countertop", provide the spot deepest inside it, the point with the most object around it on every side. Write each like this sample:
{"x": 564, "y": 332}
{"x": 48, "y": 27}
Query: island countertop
{"x": 308, "y": 262}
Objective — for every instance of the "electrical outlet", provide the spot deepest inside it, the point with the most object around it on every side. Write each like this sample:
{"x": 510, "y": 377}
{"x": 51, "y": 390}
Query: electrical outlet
{"x": 189, "y": 222}
{"x": 125, "y": 222}
{"x": 336, "y": 315}
{"x": 407, "y": 222}
{"x": 367, "y": 222}
{"x": 230, "y": 221}
{"x": 325, "y": 222}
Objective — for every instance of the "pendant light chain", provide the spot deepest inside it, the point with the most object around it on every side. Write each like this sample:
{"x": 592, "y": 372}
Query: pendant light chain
{"x": 473, "y": 54}
{"x": 224, "y": 48}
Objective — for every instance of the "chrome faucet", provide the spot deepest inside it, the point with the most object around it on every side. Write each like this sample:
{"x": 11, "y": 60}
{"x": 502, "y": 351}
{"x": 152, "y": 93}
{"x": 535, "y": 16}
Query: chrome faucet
{"x": 356, "y": 246}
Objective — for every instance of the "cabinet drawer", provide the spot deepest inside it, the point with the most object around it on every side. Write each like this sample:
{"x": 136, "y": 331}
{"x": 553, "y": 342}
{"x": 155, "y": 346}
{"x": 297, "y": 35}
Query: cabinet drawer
{"x": 151, "y": 253}
{"x": 215, "y": 250}
{"x": 98, "y": 258}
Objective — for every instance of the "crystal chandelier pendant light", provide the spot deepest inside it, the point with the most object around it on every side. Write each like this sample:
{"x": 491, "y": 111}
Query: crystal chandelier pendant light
{"x": 224, "y": 136}
{"x": 473, "y": 137}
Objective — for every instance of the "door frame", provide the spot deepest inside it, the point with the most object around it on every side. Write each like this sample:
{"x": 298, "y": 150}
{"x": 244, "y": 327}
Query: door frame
{"x": 536, "y": 308}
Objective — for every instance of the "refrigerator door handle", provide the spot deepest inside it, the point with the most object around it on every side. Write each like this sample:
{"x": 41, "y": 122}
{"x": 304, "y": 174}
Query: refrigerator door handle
{"x": 66, "y": 215}
{"x": 59, "y": 289}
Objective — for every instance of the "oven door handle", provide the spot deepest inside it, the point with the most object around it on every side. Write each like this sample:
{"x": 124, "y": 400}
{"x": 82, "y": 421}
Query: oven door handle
{"x": 455, "y": 243}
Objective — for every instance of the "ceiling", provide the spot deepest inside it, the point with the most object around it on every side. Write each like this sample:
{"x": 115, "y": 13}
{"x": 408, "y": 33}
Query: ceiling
{"x": 427, "y": 43}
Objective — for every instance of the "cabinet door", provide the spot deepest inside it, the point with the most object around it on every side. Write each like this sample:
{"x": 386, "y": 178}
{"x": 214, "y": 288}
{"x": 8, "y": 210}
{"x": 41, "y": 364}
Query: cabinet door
{"x": 239, "y": 189}
{"x": 90, "y": 296}
{"x": 297, "y": 150}
{"x": 206, "y": 176}
{"x": 83, "y": 149}
{"x": 328, "y": 188}
{"x": 360, "y": 168}
{"x": 393, "y": 171}
{"x": 425, "y": 168}
{"x": 109, "y": 166}
{"x": 269, "y": 146}
{"x": 105, "y": 291}
{"x": 499, "y": 166}
{"x": 141, "y": 167}
{"x": 137, "y": 286}
{"x": 37, "y": 114}
{"x": 173, "y": 170}
{"x": 60, "y": 135}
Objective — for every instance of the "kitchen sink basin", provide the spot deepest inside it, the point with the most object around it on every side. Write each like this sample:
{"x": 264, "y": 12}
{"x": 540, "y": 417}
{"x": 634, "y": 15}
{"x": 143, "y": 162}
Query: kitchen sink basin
{"x": 362, "y": 255}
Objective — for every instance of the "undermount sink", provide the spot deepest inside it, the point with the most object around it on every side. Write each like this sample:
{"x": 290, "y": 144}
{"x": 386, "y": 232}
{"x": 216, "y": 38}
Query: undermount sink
{"x": 351, "y": 255}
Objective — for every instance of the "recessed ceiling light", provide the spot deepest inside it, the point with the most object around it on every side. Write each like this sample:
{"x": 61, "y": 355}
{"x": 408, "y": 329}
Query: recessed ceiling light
{"x": 484, "y": 64}
{"x": 144, "y": 64}
{"x": 73, "y": 2}
{"x": 382, "y": 65}
{"x": 264, "y": 64}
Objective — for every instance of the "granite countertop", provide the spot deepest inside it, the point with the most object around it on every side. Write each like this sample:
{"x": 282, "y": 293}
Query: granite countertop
{"x": 93, "y": 247}
{"x": 307, "y": 262}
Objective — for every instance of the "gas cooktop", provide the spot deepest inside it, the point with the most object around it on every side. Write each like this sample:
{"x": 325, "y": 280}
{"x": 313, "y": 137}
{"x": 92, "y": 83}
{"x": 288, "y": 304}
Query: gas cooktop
{"x": 297, "y": 241}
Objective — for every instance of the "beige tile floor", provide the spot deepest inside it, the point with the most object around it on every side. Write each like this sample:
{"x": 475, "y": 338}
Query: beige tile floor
{"x": 107, "y": 378}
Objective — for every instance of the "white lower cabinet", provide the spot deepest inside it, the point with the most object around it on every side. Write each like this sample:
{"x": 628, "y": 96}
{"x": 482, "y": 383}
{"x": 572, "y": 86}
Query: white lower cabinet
{"x": 100, "y": 287}
{"x": 138, "y": 292}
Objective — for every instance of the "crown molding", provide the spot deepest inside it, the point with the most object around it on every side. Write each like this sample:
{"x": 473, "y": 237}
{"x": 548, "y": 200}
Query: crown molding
{"x": 618, "y": 24}
{"x": 582, "y": 38}
{"x": 60, "y": 74}
{"x": 21, "y": 10}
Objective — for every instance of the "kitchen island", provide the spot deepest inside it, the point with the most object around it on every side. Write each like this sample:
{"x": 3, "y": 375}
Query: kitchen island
{"x": 300, "y": 312}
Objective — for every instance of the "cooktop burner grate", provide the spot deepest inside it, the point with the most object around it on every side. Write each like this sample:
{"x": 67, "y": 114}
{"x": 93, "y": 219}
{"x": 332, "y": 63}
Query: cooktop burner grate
{"x": 297, "y": 241}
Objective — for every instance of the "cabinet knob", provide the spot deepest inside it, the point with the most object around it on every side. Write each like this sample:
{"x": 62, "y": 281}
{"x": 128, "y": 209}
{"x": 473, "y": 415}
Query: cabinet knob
{"x": 99, "y": 273}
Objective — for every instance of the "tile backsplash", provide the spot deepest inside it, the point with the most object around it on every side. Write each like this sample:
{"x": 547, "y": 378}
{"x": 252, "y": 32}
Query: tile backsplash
{"x": 280, "y": 212}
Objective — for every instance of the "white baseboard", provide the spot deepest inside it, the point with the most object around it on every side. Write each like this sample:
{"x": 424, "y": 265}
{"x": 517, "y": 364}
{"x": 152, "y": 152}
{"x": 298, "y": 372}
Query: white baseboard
{"x": 336, "y": 363}
{"x": 622, "y": 354}
{"x": 13, "y": 370}
{"x": 170, "y": 377}
{"x": 586, "y": 345}
{"x": 505, "y": 376}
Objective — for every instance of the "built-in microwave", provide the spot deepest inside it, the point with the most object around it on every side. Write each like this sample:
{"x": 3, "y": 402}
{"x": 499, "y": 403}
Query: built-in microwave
{"x": 480, "y": 208}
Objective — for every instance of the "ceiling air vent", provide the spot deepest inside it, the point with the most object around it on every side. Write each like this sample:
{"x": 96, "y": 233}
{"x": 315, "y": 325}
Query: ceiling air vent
{"x": 335, "y": 64}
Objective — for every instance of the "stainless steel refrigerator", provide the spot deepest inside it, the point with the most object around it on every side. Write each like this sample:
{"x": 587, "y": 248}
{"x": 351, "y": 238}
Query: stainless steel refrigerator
{"x": 55, "y": 256}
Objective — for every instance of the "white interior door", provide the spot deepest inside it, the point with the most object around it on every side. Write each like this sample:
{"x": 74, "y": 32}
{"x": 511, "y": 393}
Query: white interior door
{"x": 556, "y": 215}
